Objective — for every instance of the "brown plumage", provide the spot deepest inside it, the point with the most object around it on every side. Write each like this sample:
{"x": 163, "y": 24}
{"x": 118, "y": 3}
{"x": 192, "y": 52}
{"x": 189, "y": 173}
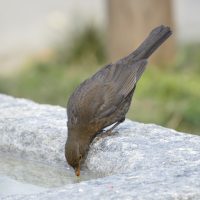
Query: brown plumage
{"x": 104, "y": 99}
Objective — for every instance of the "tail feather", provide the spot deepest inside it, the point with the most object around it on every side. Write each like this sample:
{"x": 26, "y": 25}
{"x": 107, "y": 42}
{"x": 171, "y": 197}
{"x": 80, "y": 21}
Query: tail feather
{"x": 149, "y": 45}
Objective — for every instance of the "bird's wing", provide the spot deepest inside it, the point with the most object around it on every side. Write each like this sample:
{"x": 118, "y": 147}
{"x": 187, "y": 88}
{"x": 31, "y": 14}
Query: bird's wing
{"x": 104, "y": 91}
{"x": 119, "y": 82}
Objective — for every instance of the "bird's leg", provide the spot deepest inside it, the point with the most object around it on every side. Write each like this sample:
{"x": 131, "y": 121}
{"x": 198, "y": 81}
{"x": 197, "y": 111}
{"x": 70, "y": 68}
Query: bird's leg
{"x": 108, "y": 132}
{"x": 98, "y": 133}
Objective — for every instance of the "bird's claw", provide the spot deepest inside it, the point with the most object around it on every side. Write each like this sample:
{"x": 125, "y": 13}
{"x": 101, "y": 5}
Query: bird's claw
{"x": 104, "y": 134}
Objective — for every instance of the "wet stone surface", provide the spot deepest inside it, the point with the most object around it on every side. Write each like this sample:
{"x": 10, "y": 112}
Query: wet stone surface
{"x": 139, "y": 161}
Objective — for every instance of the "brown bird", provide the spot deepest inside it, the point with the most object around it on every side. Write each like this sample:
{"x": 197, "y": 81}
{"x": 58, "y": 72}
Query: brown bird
{"x": 105, "y": 98}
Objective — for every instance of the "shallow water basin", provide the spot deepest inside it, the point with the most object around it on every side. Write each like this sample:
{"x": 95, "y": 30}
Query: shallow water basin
{"x": 18, "y": 176}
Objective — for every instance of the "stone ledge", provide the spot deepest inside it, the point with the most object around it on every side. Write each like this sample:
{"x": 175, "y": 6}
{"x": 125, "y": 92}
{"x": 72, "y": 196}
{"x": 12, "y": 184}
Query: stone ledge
{"x": 140, "y": 161}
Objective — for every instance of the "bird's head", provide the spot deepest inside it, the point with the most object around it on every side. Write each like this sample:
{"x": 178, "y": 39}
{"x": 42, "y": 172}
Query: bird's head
{"x": 73, "y": 155}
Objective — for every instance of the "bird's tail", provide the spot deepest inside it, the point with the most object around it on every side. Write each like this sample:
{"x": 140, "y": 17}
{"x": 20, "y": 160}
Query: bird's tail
{"x": 150, "y": 44}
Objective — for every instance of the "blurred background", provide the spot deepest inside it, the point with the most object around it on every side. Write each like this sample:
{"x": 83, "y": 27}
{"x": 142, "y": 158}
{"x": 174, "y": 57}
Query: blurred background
{"x": 48, "y": 47}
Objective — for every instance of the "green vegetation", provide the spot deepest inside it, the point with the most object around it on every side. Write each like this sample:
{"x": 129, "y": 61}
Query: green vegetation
{"x": 169, "y": 97}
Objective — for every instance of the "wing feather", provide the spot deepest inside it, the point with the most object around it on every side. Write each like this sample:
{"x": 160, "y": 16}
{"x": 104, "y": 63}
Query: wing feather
{"x": 104, "y": 91}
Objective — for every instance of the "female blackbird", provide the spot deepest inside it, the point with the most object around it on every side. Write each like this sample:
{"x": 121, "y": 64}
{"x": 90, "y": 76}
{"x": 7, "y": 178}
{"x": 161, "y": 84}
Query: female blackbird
{"x": 104, "y": 99}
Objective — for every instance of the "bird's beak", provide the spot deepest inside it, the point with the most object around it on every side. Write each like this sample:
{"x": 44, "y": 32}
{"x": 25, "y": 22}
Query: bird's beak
{"x": 77, "y": 171}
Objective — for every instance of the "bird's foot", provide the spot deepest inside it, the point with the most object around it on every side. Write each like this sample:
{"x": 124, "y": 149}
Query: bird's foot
{"x": 108, "y": 133}
{"x": 104, "y": 134}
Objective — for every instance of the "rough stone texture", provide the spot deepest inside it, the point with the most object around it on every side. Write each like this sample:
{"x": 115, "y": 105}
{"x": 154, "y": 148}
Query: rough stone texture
{"x": 140, "y": 161}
